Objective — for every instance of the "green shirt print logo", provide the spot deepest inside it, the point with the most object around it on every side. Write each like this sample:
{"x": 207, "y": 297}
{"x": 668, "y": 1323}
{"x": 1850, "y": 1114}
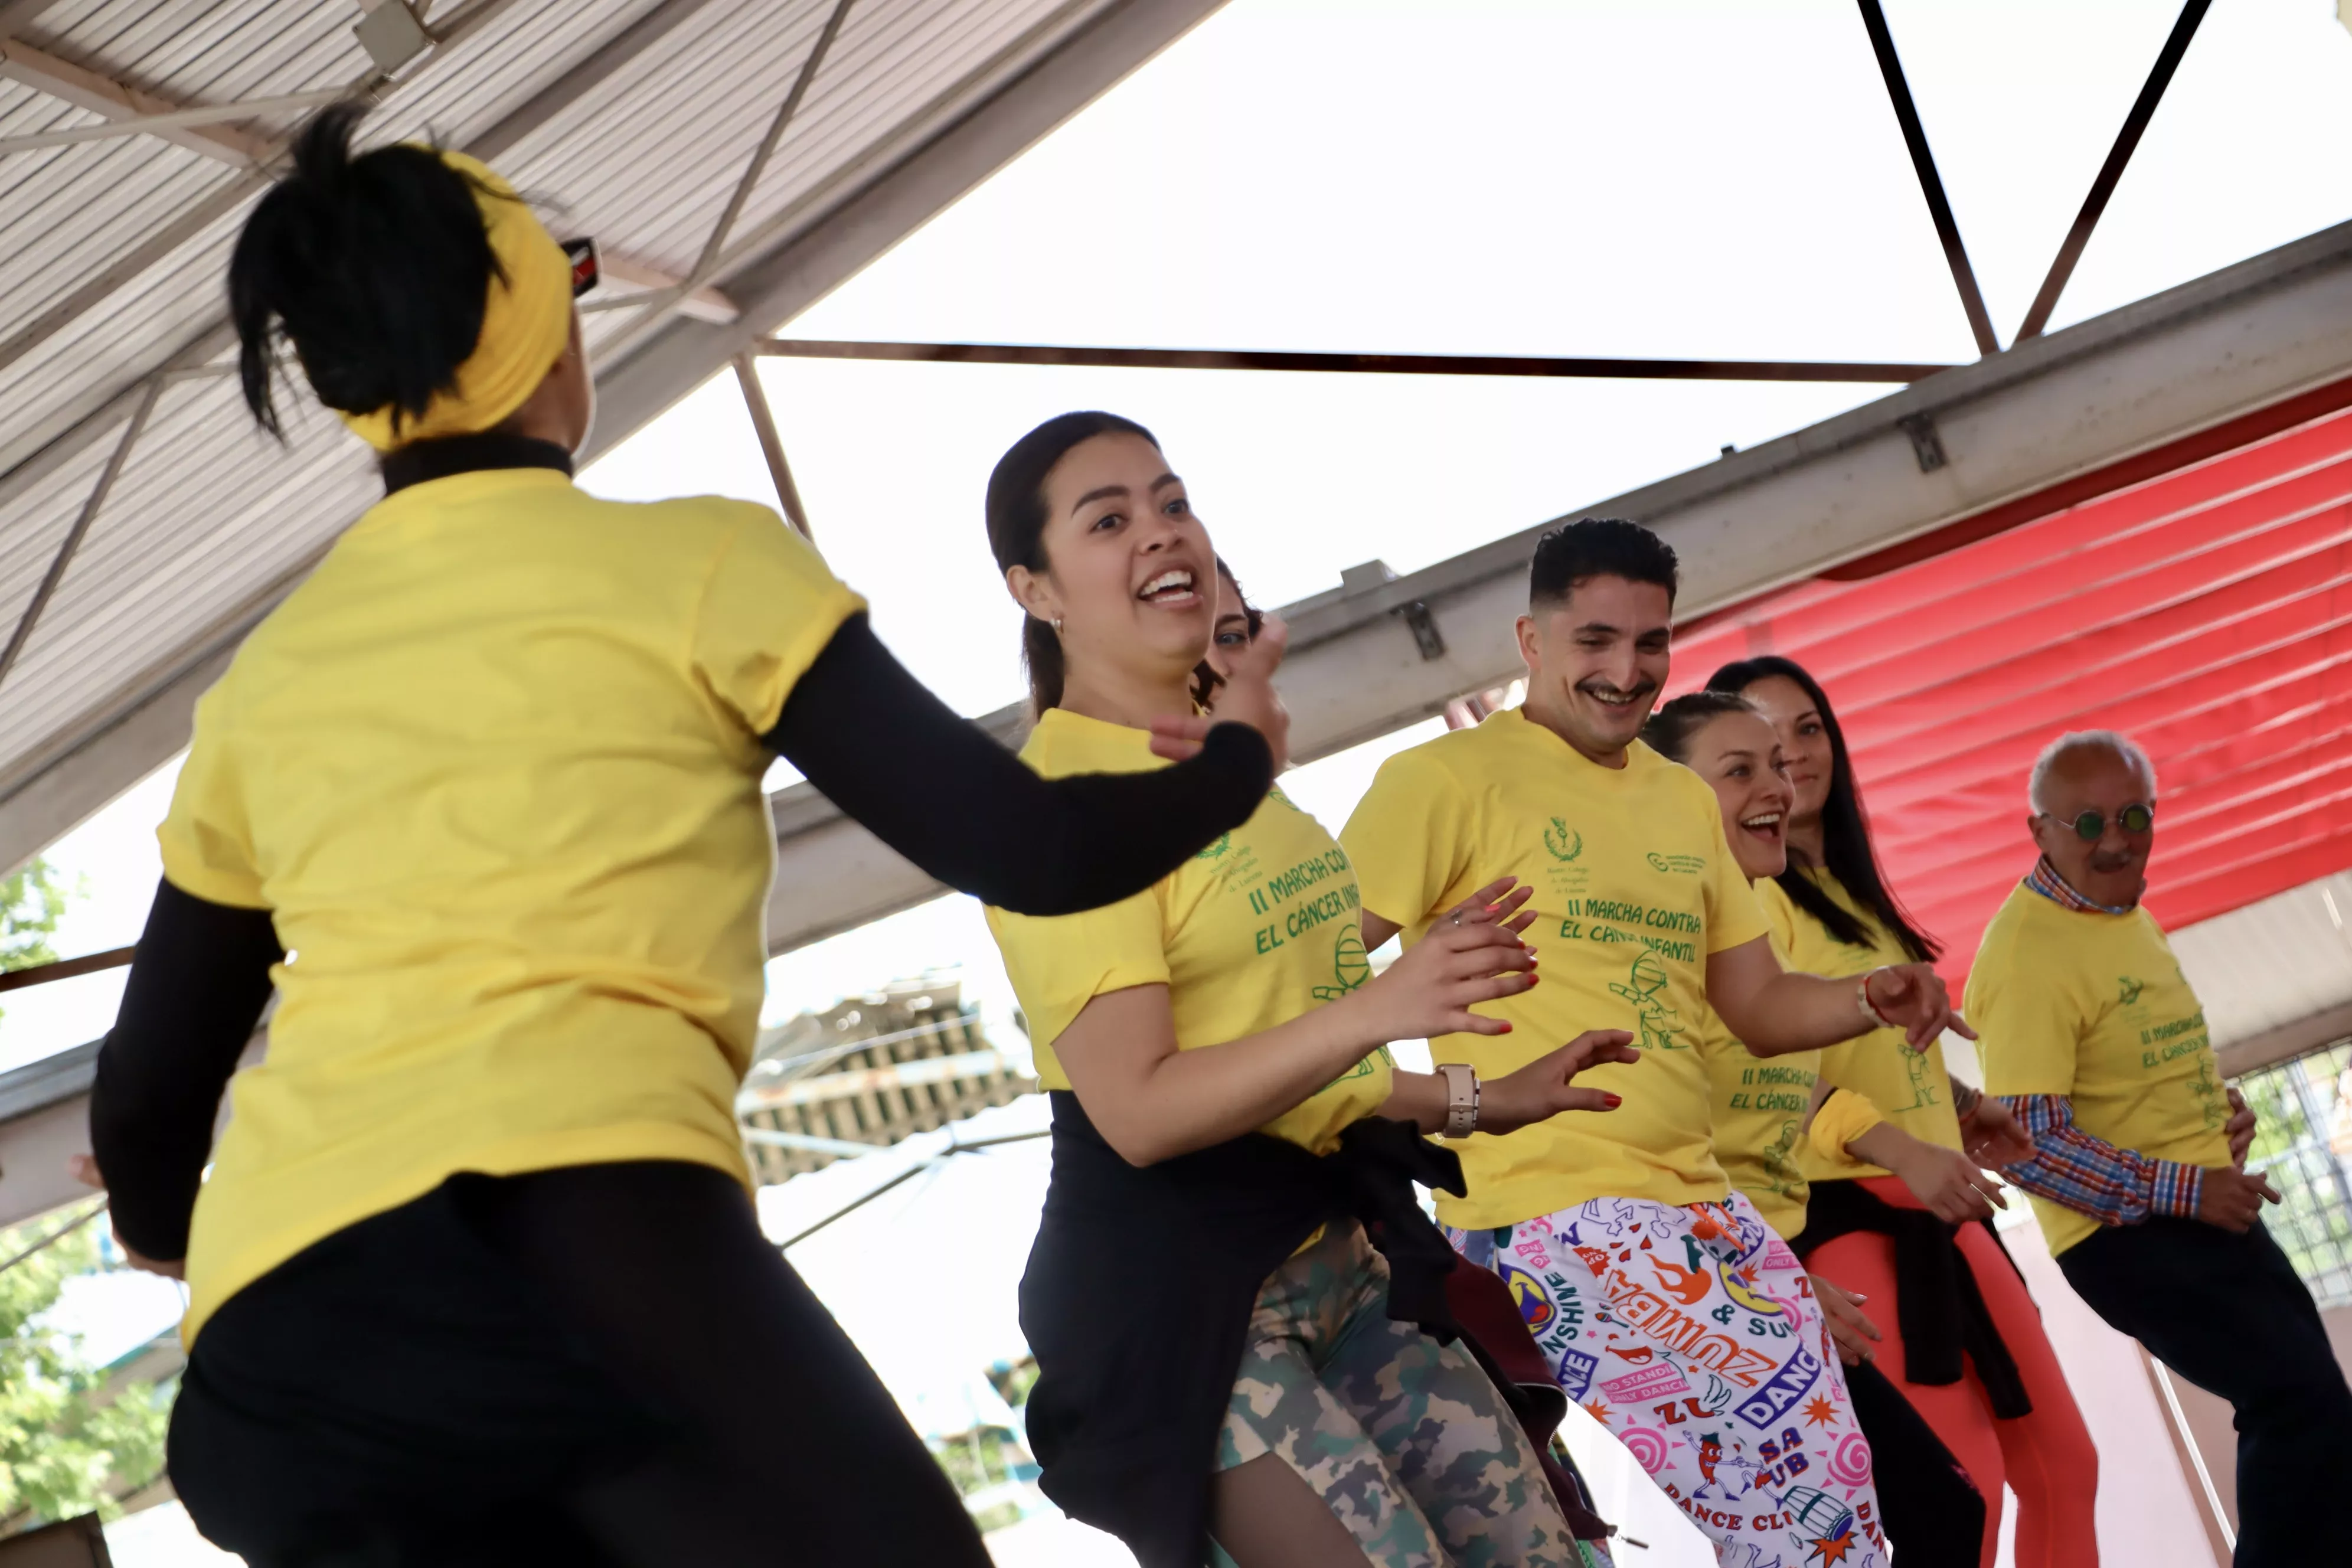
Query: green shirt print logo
{"x": 2127, "y": 989}
{"x": 1687, "y": 865}
{"x": 1644, "y": 987}
{"x": 1216, "y": 849}
{"x": 2211, "y": 1104}
{"x": 1780, "y": 1172}
{"x": 1564, "y": 842}
{"x": 1350, "y": 964}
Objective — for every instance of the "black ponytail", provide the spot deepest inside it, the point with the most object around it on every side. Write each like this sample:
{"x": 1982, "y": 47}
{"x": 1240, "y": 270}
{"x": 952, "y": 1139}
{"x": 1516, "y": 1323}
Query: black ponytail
{"x": 1016, "y": 528}
{"x": 374, "y": 267}
{"x": 1845, "y": 831}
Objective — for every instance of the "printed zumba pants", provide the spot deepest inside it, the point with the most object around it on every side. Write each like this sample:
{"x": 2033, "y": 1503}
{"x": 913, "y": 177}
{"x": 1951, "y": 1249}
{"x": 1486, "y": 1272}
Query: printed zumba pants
{"x": 1406, "y": 1439}
{"x": 1692, "y": 1335}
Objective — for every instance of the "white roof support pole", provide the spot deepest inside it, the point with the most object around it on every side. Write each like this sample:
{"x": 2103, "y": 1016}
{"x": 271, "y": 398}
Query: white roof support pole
{"x": 772, "y": 444}
{"x": 659, "y": 305}
{"x": 81, "y": 528}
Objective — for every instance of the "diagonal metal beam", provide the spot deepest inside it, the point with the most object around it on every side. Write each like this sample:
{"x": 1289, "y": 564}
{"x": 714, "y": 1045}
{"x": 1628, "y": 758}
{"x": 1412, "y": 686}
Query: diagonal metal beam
{"x": 772, "y": 444}
{"x": 1931, "y": 183}
{"x": 700, "y": 272}
{"x": 81, "y": 528}
{"x": 703, "y": 304}
{"x": 135, "y": 111}
{"x": 232, "y": 147}
{"x": 659, "y": 305}
{"x": 2111, "y": 172}
{"x": 1373, "y": 365}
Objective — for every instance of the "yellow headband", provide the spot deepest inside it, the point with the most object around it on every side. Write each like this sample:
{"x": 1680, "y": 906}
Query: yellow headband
{"x": 526, "y": 322}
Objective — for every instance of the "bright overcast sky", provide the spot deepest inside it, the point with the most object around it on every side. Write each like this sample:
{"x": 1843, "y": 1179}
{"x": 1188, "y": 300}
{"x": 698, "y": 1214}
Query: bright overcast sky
{"x": 1716, "y": 180}
{"x": 1698, "y": 179}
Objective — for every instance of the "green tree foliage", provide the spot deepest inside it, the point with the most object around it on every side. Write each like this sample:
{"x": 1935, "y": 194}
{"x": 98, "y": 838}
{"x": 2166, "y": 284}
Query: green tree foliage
{"x": 30, "y": 903}
{"x": 68, "y": 1443}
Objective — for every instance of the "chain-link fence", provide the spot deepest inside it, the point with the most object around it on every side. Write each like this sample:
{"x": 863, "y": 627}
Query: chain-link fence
{"x": 2305, "y": 1144}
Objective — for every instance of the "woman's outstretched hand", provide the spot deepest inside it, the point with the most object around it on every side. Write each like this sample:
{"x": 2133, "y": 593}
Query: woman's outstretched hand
{"x": 1248, "y": 697}
{"x": 1472, "y": 955}
{"x": 1913, "y": 998}
{"x": 1547, "y": 1086}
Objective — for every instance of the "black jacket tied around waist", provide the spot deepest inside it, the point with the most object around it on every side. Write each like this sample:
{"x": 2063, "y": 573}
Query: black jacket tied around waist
{"x": 1138, "y": 1297}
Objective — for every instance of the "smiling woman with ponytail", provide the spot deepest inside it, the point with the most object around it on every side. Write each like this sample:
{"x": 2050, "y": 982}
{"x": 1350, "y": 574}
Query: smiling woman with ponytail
{"x": 475, "y": 1277}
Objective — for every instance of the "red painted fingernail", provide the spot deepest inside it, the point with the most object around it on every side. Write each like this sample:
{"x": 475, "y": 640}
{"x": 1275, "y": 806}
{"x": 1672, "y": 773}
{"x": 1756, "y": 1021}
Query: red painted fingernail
{"x": 1614, "y": 1100}
{"x": 1507, "y": 1027}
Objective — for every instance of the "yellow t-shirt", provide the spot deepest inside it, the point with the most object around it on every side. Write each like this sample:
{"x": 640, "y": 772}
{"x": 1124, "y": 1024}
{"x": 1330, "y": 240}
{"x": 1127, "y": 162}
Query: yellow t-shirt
{"x": 2094, "y": 1006}
{"x": 1908, "y": 1087}
{"x": 494, "y": 770}
{"x": 1759, "y": 1106}
{"x": 1634, "y": 886}
{"x": 1250, "y": 933}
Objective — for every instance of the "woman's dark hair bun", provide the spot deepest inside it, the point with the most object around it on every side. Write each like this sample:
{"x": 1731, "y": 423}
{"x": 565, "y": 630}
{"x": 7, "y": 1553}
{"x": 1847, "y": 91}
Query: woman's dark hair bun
{"x": 375, "y": 266}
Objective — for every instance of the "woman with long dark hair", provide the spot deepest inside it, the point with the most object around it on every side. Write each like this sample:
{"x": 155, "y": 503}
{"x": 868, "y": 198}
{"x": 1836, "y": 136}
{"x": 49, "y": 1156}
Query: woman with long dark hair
{"x": 476, "y": 1277}
{"x": 1769, "y": 1112}
{"x": 1222, "y": 1354}
{"x": 1972, "y": 1357}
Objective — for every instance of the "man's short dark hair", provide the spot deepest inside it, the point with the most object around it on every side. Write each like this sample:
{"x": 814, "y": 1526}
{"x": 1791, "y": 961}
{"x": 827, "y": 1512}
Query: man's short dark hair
{"x": 1600, "y": 547}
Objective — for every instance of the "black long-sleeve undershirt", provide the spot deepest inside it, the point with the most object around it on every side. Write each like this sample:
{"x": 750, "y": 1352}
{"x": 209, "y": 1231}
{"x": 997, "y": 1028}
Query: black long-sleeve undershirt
{"x": 197, "y": 989}
{"x": 864, "y": 730}
{"x": 935, "y": 787}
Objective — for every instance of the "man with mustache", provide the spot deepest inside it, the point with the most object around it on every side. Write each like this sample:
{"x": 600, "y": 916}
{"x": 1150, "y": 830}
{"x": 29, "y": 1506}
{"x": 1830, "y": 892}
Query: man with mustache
{"x": 1674, "y": 1312}
{"x": 2099, "y": 1047}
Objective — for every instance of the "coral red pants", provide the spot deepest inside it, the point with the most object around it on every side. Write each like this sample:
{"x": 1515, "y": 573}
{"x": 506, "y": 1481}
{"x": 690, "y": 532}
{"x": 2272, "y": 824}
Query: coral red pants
{"x": 2047, "y": 1458}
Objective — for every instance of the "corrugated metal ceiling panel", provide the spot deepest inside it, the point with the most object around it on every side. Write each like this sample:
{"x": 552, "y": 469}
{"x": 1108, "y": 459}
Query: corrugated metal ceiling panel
{"x": 208, "y": 521}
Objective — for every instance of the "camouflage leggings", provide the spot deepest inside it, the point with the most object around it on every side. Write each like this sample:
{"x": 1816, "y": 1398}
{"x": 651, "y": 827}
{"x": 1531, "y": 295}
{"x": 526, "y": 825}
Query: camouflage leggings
{"x": 1406, "y": 1439}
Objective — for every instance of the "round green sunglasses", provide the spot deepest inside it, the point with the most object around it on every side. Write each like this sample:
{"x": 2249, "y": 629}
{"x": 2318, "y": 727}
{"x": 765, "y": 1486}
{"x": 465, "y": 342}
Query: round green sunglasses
{"x": 2133, "y": 818}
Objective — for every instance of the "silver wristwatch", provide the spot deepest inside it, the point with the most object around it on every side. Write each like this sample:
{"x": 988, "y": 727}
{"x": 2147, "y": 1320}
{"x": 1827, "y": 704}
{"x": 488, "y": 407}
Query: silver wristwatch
{"x": 1461, "y": 1099}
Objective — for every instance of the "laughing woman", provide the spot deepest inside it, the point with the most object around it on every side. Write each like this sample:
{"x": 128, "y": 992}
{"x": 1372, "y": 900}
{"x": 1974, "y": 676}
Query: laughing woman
{"x": 1769, "y": 1114}
{"x": 1221, "y": 1353}
{"x": 1883, "y": 1218}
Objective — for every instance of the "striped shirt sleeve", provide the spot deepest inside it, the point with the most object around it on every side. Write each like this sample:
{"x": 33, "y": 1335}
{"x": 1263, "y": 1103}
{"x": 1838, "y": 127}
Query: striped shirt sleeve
{"x": 2114, "y": 1186}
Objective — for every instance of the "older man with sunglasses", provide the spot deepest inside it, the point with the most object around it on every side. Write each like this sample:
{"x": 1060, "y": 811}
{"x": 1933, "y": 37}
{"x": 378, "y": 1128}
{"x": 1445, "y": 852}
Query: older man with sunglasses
{"x": 2095, "y": 1040}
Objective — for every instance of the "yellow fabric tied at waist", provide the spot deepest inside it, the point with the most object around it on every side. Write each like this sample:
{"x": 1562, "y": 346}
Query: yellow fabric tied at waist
{"x": 526, "y": 323}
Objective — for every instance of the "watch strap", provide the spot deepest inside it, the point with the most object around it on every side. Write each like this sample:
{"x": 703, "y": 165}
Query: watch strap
{"x": 1461, "y": 1099}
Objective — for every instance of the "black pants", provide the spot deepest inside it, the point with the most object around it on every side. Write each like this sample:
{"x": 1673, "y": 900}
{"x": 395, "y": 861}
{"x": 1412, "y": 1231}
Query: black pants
{"x": 2228, "y": 1313}
{"x": 1933, "y": 1514}
{"x": 603, "y": 1364}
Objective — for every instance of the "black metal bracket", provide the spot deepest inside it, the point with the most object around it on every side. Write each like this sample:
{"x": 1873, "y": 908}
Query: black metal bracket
{"x": 1425, "y": 634}
{"x": 1926, "y": 445}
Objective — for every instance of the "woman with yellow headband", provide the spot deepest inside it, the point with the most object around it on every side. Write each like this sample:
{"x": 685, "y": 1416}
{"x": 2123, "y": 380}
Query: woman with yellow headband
{"x": 475, "y": 1277}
